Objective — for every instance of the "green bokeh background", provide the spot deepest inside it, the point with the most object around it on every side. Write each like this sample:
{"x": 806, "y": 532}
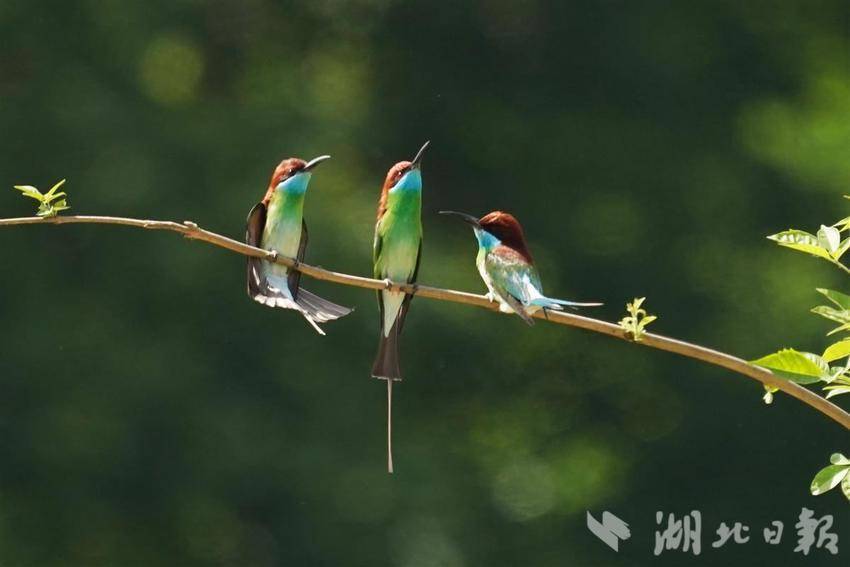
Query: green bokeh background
{"x": 151, "y": 414}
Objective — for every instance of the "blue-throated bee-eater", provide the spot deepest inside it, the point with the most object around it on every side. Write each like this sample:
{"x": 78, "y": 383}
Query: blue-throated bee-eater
{"x": 277, "y": 223}
{"x": 397, "y": 251}
{"x": 506, "y": 266}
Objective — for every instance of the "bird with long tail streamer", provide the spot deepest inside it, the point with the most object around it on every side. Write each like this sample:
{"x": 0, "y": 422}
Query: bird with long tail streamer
{"x": 397, "y": 251}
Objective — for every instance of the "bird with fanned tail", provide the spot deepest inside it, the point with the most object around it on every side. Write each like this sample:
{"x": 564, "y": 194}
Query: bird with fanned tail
{"x": 277, "y": 223}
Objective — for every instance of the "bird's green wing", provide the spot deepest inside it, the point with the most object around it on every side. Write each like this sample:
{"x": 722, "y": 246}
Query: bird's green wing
{"x": 402, "y": 313}
{"x": 377, "y": 245}
{"x": 514, "y": 276}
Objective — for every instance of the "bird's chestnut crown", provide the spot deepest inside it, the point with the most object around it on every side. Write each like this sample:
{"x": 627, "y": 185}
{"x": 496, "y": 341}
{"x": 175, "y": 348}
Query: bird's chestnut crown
{"x": 507, "y": 229}
{"x": 286, "y": 169}
{"x": 396, "y": 172}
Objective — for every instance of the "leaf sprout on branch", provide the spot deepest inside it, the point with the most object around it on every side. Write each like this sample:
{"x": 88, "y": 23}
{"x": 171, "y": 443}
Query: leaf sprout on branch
{"x": 637, "y": 319}
{"x": 51, "y": 203}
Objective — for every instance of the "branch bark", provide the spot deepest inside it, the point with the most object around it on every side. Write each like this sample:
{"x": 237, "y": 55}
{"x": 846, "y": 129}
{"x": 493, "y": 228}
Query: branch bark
{"x": 193, "y": 231}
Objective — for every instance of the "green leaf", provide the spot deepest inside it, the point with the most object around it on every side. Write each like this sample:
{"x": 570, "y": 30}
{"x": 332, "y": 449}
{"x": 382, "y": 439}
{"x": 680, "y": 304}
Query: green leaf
{"x": 828, "y": 478}
{"x": 844, "y": 327}
{"x": 837, "y": 350}
{"x": 833, "y": 391}
{"x": 829, "y": 238}
{"x": 843, "y": 224}
{"x": 802, "y": 241}
{"x": 835, "y": 373}
{"x": 53, "y": 189}
{"x": 838, "y": 315}
{"x": 838, "y": 298}
{"x": 30, "y": 191}
{"x": 799, "y": 367}
{"x": 845, "y": 487}
{"x": 839, "y": 459}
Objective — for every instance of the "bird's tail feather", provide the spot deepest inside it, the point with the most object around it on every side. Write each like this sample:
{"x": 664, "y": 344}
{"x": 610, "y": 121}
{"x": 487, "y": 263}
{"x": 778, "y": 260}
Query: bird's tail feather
{"x": 318, "y": 308}
{"x": 555, "y": 304}
{"x": 386, "y": 364}
{"x": 275, "y": 297}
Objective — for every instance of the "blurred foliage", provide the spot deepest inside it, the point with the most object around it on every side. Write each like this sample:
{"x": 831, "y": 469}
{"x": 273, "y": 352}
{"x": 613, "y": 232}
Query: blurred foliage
{"x": 156, "y": 416}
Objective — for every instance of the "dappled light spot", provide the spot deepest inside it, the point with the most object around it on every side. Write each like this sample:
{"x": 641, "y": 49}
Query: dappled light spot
{"x": 525, "y": 490}
{"x": 802, "y": 136}
{"x": 423, "y": 542}
{"x": 170, "y": 70}
{"x": 338, "y": 80}
{"x": 588, "y": 472}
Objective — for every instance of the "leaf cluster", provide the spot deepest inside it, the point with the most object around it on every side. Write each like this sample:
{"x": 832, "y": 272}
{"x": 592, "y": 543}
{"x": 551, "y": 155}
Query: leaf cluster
{"x": 830, "y": 244}
{"x": 810, "y": 368}
{"x": 51, "y": 203}
{"x": 637, "y": 319}
{"x": 832, "y": 475}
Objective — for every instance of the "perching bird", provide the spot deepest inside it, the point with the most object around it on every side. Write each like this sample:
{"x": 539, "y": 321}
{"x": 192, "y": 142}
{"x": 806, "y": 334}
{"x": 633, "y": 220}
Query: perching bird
{"x": 277, "y": 223}
{"x": 396, "y": 253}
{"x": 506, "y": 266}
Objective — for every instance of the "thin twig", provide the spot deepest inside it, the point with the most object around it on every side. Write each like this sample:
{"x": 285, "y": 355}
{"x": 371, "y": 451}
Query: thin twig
{"x": 710, "y": 356}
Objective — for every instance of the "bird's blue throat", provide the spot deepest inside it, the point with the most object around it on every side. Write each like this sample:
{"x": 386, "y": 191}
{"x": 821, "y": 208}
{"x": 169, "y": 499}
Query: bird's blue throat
{"x": 410, "y": 181}
{"x": 486, "y": 240}
{"x": 295, "y": 185}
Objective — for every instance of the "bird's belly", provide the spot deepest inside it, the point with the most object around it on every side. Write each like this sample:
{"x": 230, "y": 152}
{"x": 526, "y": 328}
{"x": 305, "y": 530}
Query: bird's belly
{"x": 482, "y": 270}
{"x": 399, "y": 261}
{"x": 399, "y": 251}
{"x": 285, "y": 238}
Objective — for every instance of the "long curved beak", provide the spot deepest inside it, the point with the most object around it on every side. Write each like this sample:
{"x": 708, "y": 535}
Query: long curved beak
{"x": 417, "y": 161}
{"x": 314, "y": 162}
{"x": 463, "y": 216}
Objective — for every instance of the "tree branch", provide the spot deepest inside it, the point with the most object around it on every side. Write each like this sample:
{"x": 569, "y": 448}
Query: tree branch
{"x": 729, "y": 362}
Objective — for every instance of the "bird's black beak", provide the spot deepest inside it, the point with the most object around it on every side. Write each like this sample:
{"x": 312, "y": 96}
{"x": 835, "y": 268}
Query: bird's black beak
{"x": 417, "y": 161}
{"x": 464, "y": 217}
{"x": 314, "y": 162}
